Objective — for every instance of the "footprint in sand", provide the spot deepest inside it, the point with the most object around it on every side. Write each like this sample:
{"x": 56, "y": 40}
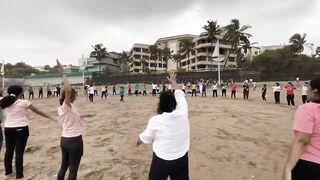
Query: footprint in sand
{"x": 94, "y": 175}
{"x": 53, "y": 149}
{"x": 32, "y": 149}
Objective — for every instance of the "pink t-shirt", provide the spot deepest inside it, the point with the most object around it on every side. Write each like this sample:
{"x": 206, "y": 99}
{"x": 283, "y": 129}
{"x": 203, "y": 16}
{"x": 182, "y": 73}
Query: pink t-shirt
{"x": 70, "y": 119}
{"x": 16, "y": 114}
{"x": 307, "y": 120}
{"x": 234, "y": 87}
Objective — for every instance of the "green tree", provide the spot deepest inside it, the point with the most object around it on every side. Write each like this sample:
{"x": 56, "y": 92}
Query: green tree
{"x": 212, "y": 30}
{"x": 186, "y": 47}
{"x": 99, "y": 53}
{"x": 125, "y": 58}
{"x": 155, "y": 54}
{"x": 297, "y": 43}
{"x": 176, "y": 58}
{"x": 235, "y": 34}
{"x": 166, "y": 56}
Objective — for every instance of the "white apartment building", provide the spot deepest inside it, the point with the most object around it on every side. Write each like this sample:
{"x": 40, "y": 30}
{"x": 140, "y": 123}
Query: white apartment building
{"x": 261, "y": 49}
{"x": 199, "y": 59}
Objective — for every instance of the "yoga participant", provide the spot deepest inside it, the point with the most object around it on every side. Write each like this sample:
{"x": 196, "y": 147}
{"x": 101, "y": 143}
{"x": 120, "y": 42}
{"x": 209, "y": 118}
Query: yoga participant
{"x": 169, "y": 132}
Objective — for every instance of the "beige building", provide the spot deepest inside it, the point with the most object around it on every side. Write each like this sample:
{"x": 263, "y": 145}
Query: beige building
{"x": 199, "y": 59}
{"x": 261, "y": 49}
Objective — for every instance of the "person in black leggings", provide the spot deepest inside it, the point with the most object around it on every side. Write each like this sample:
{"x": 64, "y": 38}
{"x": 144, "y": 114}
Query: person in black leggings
{"x": 16, "y": 129}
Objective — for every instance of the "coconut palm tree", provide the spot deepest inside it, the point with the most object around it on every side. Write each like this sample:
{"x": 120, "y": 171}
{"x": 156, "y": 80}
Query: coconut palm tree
{"x": 212, "y": 30}
{"x": 317, "y": 51}
{"x": 235, "y": 34}
{"x": 125, "y": 58}
{"x": 166, "y": 56}
{"x": 176, "y": 58}
{"x": 298, "y": 42}
{"x": 99, "y": 53}
{"x": 155, "y": 54}
{"x": 186, "y": 47}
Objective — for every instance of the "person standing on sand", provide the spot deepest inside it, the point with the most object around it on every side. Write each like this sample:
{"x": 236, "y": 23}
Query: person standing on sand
{"x": 144, "y": 90}
{"x": 224, "y": 90}
{"x": 40, "y": 92}
{"x": 290, "y": 94}
{"x": 304, "y": 158}
{"x": 122, "y": 93}
{"x": 204, "y": 90}
{"x": 264, "y": 92}
{"x": 16, "y": 129}
{"x": 214, "y": 89}
{"x": 91, "y": 93}
{"x": 194, "y": 89}
{"x": 304, "y": 92}
{"x": 169, "y": 133}
{"x": 136, "y": 89}
{"x": 246, "y": 91}
{"x": 277, "y": 90}
{"x": 72, "y": 129}
{"x": 114, "y": 92}
{"x": 103, "y": 92}
{"x": 31, "y": 93}
{"x": 234, "y": 90}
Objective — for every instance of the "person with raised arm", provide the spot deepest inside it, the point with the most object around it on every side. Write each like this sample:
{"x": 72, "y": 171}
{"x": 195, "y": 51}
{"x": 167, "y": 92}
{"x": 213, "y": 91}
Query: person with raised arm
{"x": 72, "y": 130}
{"x": 169, "y": 133}
{"x": 16, "y": 129}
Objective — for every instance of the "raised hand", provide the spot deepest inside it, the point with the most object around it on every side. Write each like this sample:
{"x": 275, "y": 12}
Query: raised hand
{"x": 62, "y": 70}
{"x": 172, "y": 78}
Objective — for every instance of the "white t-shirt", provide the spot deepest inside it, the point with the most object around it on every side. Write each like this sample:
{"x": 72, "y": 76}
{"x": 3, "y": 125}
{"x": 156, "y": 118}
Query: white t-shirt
{"x": 16, "y": 114}
{"x": 184, "y": 87}
{"x": 154, "y": 86}
{"x": 214, "y": 86}
{"x": 169, "y": 132}
{"x": 91, "y": 90}
{"x": 304, "y": 90}
{"x": 276, "y": 89}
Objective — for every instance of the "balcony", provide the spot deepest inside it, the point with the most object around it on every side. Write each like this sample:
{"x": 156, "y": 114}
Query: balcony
{"x": 208, "y": 45}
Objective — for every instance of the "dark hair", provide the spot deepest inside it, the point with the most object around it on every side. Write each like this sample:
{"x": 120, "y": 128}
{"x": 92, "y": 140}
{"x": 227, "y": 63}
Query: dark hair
{"x": 63, "y": 96}
{"x": 277, "y": 84}
{"x": 14, "y": 92}
{"x": 167, "y": 102}
{"x": 315, "y": 84}
{"x": 290, "y": 83}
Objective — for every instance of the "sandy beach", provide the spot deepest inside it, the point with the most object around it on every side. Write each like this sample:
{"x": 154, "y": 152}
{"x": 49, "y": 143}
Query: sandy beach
{"x": 230, "y": 139}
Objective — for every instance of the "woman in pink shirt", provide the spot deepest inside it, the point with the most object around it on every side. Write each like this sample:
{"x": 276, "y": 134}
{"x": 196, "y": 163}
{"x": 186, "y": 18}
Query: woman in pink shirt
{"x": 290, "y": 94}
{"x": 304, "y": 159}
{"x": 233, "y": 90}
{"x": 16, "y": 129}
{"x": 71, "y": 140}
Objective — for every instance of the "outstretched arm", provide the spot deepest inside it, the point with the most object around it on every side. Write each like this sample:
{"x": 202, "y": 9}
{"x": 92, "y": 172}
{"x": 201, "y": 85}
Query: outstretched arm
{"x": 37, "y": 111}
{"x": 66, "y": 85}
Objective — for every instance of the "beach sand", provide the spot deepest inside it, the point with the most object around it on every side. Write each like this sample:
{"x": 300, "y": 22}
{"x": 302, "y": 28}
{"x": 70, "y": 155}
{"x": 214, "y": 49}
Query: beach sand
{"x": 230, "y": 139}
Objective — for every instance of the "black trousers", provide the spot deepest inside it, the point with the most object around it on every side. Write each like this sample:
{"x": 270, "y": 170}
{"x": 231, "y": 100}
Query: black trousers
{"x": 91, "y": 97}
{"x": 72, "y": 151}
{"x": 194, "y": 92}
{"x": 290, "y": 99}
{"x": 214, "y": 93}
{"x": 16, "y": 141}
{"x": 103, "y": 94}
{"x": 233, "y": 94}
{"x": 49, "y": 94}
{"x": 31, "y": 94}
{"x": 144, "y": 93}
{"x": 176, "y": 169}
{"x": 1, "y": 138}
{"x": 58, "y": 93}
{"x": 277, "y": 97}
{"x": 204, "y": 92}
{"x": 96, "y": 92}
{"x": 306, "y": 170}
{"x": 304, "y": 99}
{"x": 136, "y": 92}
{"x": 224, "y": 92}
{"x": 264, "y": 96}
{"x": 114, "y": 93}
{"x": 154, "y": 92}
{"x": 121, "y": 98}
{"x": 40, "y": 94}
{"x": 245, "y": 94}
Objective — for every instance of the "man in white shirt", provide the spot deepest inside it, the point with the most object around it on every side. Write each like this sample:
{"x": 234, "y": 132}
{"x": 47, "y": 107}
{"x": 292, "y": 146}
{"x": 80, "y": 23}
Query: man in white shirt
{"x": 154, "y": 89}
{"x": 169, "y": 133}
{"x": 304, "y": 92}
{"x": 214, "y": 89}
{"x": 91, "y": 93}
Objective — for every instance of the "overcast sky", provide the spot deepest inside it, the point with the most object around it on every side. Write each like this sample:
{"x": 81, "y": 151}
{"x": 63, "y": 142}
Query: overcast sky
{"x": 40, "y": 31}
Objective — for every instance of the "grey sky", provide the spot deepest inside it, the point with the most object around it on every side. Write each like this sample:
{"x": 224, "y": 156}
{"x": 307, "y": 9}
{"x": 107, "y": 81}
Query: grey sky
{"x": 38, "y": 32}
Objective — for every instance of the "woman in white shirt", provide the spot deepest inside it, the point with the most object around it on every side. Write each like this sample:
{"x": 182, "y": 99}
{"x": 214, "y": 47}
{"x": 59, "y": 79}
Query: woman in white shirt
{"x": 276, "y": 91}
{"x": 304, "y": 92}
{"x": 169, "y": 133}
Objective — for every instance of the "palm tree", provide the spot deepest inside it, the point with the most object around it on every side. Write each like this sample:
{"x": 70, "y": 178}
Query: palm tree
{"x": 166, "y": 55}
{"x": 99, "y": 53}
{"x": 155, "y": 54}
{"x": 125, "y": 58}
{"x": 186, "y": 47}
{"x": 212, "y": 30}
{"x": 317, "y": 51}
{"x": 176, "y": 58}
{"x": 235, "y": 34}
{"x": 297, "y": 43}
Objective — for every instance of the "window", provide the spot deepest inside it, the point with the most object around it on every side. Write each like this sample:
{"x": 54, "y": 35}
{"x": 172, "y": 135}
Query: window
{"x": 231, "y": 59}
